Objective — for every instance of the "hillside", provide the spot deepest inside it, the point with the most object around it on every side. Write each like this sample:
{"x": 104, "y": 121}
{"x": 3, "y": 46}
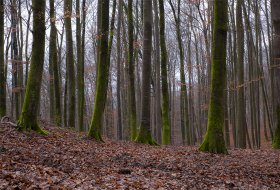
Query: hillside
{"x": 66, "y": 159}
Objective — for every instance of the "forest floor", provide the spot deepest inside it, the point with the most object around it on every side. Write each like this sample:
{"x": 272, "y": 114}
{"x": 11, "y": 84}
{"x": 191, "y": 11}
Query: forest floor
{"x": 65, "y": 159}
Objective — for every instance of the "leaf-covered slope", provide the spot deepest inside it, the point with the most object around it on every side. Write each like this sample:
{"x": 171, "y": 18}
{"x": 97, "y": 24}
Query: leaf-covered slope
{"x": 66, "y": 160}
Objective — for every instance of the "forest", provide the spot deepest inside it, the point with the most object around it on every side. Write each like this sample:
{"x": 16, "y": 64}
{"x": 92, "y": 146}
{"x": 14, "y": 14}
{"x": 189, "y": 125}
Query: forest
{"x": 139, "y": 94}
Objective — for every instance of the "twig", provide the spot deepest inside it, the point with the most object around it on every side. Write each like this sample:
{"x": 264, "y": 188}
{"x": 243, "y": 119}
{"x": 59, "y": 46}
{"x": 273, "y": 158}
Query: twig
{"x": 6, "y": 120}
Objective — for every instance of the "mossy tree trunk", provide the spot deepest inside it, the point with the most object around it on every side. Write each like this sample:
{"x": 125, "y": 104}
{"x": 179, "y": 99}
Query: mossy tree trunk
{"x": 2, "y": 63}
{"x": 214, "y": 138}
{"x": 28, "y": 118}
{"x": 275, "y": 7}
{"x": 131, "y": 68}
{"x": 53, "y": 61}
{"x": 241, "y": 105}
{"x": 164, "y": 81}
{"x": 144, "y": 135}
{"x": 102, "y": 75}
{"x": 70, "y": 62}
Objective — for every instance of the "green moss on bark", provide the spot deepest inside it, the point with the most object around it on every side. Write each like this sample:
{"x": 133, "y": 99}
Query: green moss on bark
{"x": 131, "y": 67}
{"x": 276, "y": 138}
{"x": 102, "y": 76}
{"x": 30, "y": 109}
{"x": 214, "y": 139}
{"x": 275, "y": 15}
{"x": 144, "y": 135}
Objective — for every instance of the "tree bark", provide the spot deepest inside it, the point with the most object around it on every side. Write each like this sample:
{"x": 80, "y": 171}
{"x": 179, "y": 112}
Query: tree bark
{"x": 2, "y": 63}
{"x": 144, "y": 135}
{"x": 28, "y": 118}
{"x": 102, "y": 75}
{"x": 275, "y": 6}
{"x": 70, "y": 62}
{"x": 214, "y": 139}
{"x": 164, "y": 81}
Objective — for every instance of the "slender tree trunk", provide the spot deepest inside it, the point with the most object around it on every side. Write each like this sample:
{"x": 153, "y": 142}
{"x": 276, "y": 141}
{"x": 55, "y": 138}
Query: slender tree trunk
{"x": 158, "y": 114}
{"x": 119, "y": 105}
{"x": 53, "y": 64}
{"x": 70, "y": 62}
{"x": 241, "y": 106}
{"x": 164, "y": 81}
{"x": 183, "y": 91}
{"x": 80, "y": 68}
{"x": 15, "y": 60}
{"x": 131, "y": 68}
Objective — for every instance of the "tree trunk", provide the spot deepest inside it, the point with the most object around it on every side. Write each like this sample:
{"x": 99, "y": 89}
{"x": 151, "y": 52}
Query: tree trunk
{"x": 80, "y": 68}
{"x": 275, "y": 6}
{"x": 241, "y": 105}
{"x": 102, "y": 75}
{"x": 164, "y": 81}
{"x": 119, "y": 105}
{"x": 53, "y": 64}
{"x": 70, "y": 62}
{"x": 144, "y": 135}
{"x": 28, "y": 118}
{"x": 131, "y": 68}
{"x": 214, "y": 139}
{"x": 2, "y": 63}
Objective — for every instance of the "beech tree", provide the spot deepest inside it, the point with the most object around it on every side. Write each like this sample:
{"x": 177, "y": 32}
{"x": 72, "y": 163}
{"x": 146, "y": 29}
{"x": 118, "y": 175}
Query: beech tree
{"x": 102, "y": 74}
{"x": 30, "y": 109}
{"x": 241, "y": 106}
{"x": 70, "y": 63}
{"x": 214, "y": 138}
{"x": 2, "y": 63}
{"x": 184, "y": 122}
{"x": 164, "y": 81}
{"x": 54, "y": 69}
{"x": 275, "y": 7}
{"x": 144, "y": 135}
{"x": 132, "y": 101}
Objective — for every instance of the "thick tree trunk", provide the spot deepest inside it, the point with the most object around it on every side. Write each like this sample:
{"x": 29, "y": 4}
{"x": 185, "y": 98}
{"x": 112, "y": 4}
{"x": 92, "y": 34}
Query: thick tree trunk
{"x": 2, "y": 63}
{"x": 275, "y": 6}
{"x": 28, "y": 118}
{"x": 214, "y": 139}
{"x": 102, "y": 75}
{"x": 144, "y": 135}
